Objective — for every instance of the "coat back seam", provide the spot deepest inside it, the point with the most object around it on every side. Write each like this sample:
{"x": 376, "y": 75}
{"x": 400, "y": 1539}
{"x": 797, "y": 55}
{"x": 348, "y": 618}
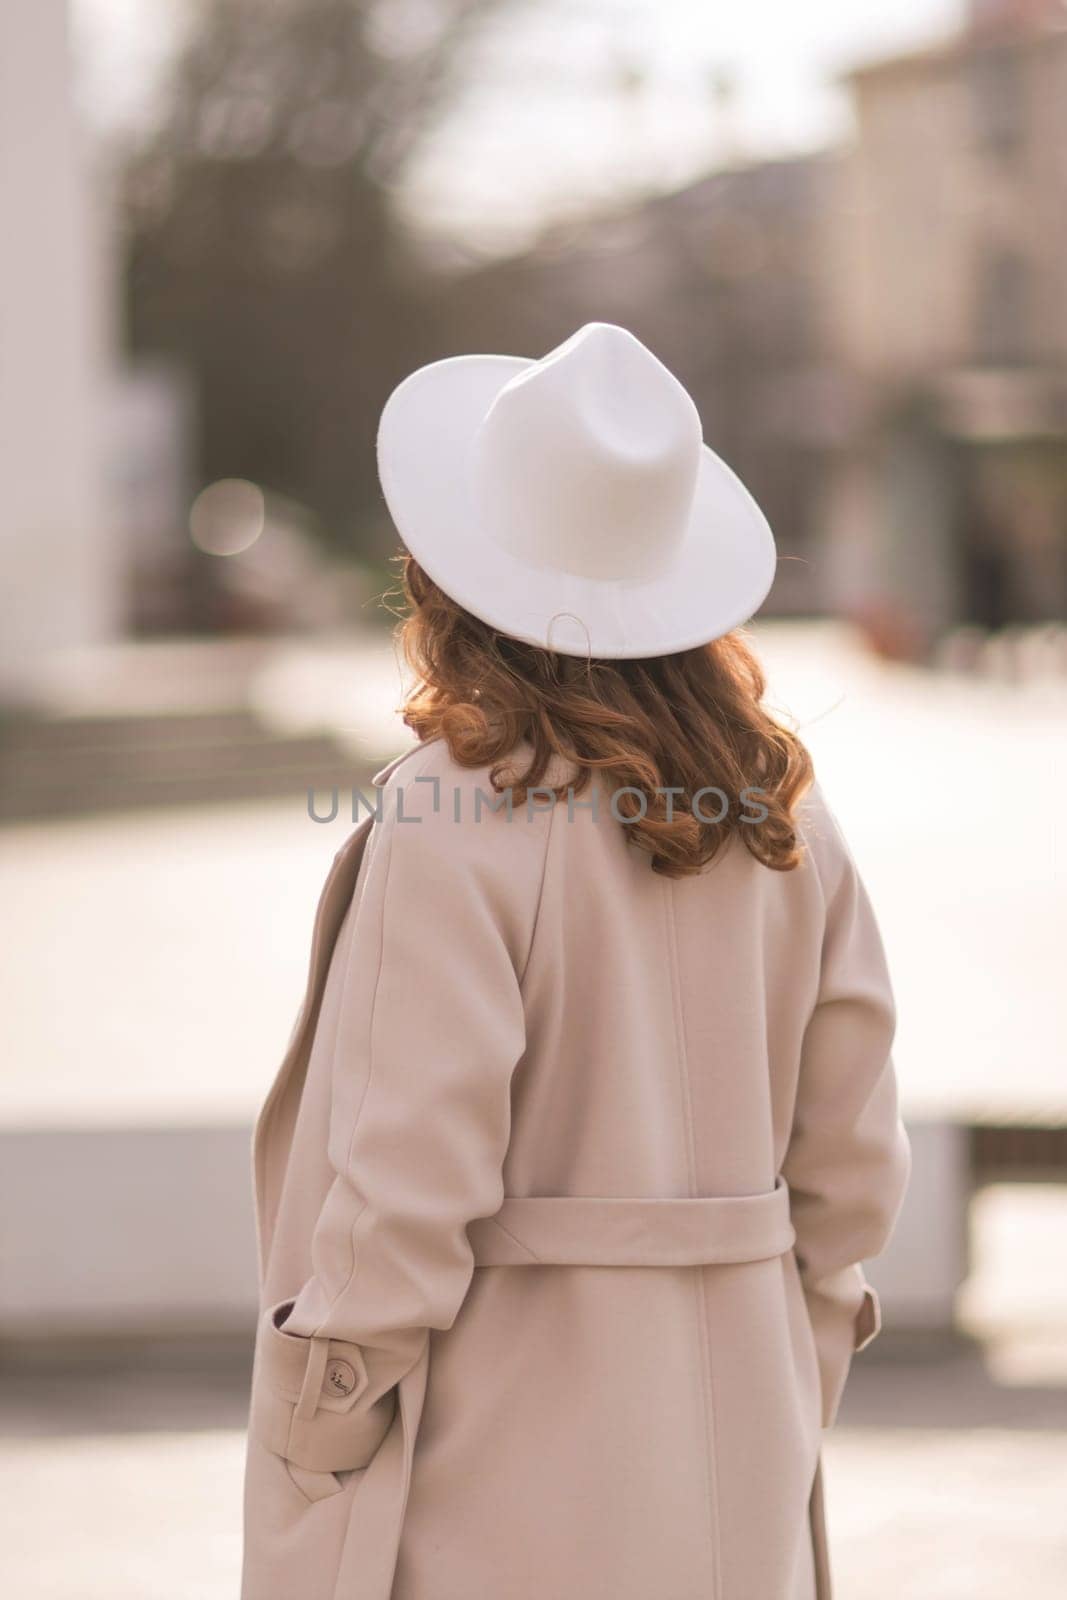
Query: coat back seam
{"x": 706, "y": 1383}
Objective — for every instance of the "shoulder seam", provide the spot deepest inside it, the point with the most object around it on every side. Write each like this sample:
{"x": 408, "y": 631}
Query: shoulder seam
{"x": 540, "y": 895}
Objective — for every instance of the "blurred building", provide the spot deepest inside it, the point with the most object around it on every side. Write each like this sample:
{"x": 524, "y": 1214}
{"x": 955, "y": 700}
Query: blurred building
{"x": 945, "y": 297}
{"x": 876, "y": 337}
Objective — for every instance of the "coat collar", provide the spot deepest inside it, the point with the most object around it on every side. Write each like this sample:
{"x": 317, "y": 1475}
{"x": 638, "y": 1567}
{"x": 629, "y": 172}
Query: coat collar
{"x": 383, "y": 774}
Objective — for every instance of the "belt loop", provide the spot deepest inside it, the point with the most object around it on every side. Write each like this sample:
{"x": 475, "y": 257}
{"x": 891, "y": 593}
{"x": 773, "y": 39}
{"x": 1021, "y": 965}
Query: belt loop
{"x": 311, "y": 1388}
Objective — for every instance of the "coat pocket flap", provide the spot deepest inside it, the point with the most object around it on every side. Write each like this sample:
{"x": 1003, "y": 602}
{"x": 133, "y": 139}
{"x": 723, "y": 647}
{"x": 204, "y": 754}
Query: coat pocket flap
{"x": 845, "y": 1316}
{"x": 868, "y": 1318}
{"x": 312, "y": 1400}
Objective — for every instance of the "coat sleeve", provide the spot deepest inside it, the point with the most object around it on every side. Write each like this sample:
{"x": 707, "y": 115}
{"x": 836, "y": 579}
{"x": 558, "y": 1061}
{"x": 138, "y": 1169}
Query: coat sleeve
{"x": 430, "y": 1029}
{"x": 849, "y": 1159}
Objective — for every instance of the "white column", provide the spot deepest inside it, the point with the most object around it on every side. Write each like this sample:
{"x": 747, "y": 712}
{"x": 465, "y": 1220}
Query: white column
{"x": 60, "y": 584}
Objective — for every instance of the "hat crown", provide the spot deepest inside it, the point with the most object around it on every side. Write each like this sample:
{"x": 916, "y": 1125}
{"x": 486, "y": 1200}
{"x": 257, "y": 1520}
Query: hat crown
{"x": 587, "y": 461}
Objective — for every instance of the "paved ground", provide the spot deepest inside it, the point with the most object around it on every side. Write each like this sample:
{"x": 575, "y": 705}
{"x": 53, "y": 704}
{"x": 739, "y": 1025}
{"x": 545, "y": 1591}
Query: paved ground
{"x": 964, "y": 1508}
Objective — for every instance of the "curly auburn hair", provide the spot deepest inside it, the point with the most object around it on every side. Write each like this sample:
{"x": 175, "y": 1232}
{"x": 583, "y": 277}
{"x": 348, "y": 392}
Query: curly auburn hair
{"x": 689, "y": 721}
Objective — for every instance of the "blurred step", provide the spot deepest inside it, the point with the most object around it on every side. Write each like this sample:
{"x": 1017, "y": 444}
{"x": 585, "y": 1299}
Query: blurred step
{"x": 42, "y": 734}
{"x": 73, "y": 765}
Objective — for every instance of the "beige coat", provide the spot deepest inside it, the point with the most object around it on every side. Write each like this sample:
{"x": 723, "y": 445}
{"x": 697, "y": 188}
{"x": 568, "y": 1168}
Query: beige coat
{"x": 562, "y": 1190}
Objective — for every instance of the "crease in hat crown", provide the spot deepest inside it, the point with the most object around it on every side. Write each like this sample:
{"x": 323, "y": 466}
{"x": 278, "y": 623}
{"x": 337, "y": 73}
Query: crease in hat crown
{"x": 586, "y": 462}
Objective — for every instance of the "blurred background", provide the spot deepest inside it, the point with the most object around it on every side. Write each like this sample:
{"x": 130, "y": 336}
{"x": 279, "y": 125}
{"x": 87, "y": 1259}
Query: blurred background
{"x": 229, "y": 228}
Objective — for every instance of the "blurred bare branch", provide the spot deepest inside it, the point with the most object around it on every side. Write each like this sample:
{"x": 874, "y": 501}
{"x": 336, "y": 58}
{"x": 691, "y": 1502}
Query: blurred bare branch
{"x": 263, "y": 249}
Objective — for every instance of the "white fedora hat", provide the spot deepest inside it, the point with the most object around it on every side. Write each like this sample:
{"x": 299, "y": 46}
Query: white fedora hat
{"x": 571, "y": 502}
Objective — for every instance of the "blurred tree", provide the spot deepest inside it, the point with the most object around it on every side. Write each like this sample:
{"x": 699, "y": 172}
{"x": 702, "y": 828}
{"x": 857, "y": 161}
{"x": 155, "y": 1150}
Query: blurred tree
{"x": 262, "y": 251}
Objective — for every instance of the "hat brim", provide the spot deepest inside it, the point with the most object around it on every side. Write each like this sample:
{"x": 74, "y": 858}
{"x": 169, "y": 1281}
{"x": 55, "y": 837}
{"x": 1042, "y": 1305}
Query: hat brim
{"x": 717, "y": 579}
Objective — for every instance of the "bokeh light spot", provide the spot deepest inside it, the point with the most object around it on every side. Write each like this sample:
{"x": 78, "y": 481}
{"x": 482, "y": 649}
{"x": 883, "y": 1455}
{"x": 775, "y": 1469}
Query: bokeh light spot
{"x": 227, "y": 517}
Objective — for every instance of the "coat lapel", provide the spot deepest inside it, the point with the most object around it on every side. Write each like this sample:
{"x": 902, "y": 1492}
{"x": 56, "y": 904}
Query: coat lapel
{"x": 272, "y": 1137}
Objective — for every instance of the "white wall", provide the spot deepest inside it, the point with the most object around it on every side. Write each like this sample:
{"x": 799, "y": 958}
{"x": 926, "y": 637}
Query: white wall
{"x": 59, "y": 577}
{"x": 150, "y": 1232}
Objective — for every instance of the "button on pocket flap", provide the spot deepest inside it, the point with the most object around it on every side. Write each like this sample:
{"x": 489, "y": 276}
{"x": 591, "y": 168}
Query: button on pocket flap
{"x": 335, "y": 1368}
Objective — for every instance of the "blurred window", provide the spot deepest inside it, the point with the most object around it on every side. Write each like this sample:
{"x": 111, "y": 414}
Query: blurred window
{"x": 999, "y": 100}
{"x": 1003, "y": 293}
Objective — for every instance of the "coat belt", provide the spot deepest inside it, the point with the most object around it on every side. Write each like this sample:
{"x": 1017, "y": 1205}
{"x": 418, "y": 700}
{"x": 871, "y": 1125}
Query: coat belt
{"x": 578, "y": 1231}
